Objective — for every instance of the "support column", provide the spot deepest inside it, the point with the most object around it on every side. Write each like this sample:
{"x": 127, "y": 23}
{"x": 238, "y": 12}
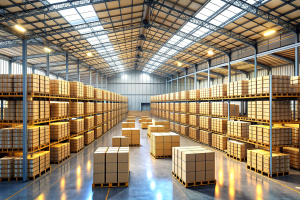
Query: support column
{"x": 90, "y": 75}
{"x": 270, "y": 100}
{"x": 33, "y": 70}
{"x": 297, "y": 56}
{"x": 177, "y": 82}
{"x": 48, "y": 64}
{"x": 9, "y": 67}
{"x": 67, "y": 67}
{"x": 101, "y": 82}
{"x": 229, "y": 80}
{"x": 185, "y": 73}
{"x": 166, "y": 85}
{"x": 171, "y": 85}
{"x": 255, "y": 62}
{"x": 25, "y": 113}
{"x": 106, "y": 81}
{"x": 78, "y": 72}
{"x": 195, "y": 79}
{"x": 208, "y": 74}
{"x": 97, "y": 79}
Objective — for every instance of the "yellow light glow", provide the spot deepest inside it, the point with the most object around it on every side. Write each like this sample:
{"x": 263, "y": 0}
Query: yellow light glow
{"x": 217, "y": 192}
{"x": 78, "y": 170}
{"x": 63, "y": 197}
{"x": 89, "y": 166}
{"x": 259, "y": 192}
{"x": 89, "y": 54}
{"x": 270, "y": 32}
{"x": 47, "y": 49}
{"x": 62, "y": 183}
{"x": 179, "y": 64}
{"x": 210, "y": 52}
{"x": 20, "y": 28}
{"x": 78, "y": 183}
{"x": 41, "y": 197}
{"x": 221, "y": 177}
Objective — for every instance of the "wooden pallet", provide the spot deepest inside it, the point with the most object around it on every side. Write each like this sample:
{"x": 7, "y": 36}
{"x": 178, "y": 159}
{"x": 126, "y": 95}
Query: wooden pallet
{"x": 236, "y": 158}
{"x": 7, "y": 179}
{"x": 77, "y": 150}
{"x": 135, "y": 145}
{"x": 58, "y": 162}
{"x": 193, "y": 184}
{"x": 158, "y": 157}
{"x": 269, "y": 175}
{"x": 95, "y": 185}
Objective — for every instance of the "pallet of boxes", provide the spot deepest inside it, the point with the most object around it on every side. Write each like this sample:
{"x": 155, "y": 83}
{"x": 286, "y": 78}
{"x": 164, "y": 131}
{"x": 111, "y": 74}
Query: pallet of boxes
{"x": 143, "y": 117}
{"x": 193, "y": 166}
{"x": 162, "y": 144}
{"x": 146, "y": 122}
{"x": 120, "y": 141}
{"x": 155, "y": 129}
{"x": 133, "y": 134}
{"x": 130, "y": 118}
{"x": 111, "y": 167}
{"x": 165, "y": 124}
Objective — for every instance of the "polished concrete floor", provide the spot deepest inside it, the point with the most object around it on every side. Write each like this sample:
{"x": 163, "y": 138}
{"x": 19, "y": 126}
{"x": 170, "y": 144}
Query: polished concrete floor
{"x": 150, "y": 179}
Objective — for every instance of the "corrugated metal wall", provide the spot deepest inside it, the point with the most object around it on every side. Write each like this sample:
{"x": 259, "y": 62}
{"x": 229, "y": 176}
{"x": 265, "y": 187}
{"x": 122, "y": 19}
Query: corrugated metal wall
{"x": 137, "y": 86}
{"x": 189, "y": 85}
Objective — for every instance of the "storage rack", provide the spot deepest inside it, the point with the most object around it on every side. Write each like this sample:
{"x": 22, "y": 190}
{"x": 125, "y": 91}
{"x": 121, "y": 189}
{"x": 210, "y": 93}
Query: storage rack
{"x": 269, "y": 96}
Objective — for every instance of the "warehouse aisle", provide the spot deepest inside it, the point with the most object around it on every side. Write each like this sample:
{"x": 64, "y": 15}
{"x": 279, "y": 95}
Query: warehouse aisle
{"x": 150, "y": 179}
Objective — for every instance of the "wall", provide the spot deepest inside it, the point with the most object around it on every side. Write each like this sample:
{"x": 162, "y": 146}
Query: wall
{"x": 137, "y": 86}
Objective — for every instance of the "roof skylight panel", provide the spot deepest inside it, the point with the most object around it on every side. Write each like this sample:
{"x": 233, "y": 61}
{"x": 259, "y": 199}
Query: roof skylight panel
{"x": 56, "y": 1}
{"x": 174, "y": 39}
{"x": 67, "y": 12}
{"x": 84, "y": 31}
{"x": 215, "y": 22}
{"x": 188, "y": 27}
{"x": 234, "y": 9}
{"x": 185, "y": 43}
{"x": 228, "y": 13}
{"x": 172, "y": 52}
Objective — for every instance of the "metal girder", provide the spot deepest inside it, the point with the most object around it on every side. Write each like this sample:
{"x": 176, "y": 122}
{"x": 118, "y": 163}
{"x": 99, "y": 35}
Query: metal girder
{"x": 184, "y": 16}
{"x": 48, "y": 8}
{"x": 262, "y": 14}
{"x": 63, "y": 63}
{"x": 13, "y": 59}
{"x": 16, "y": 43}
{"x": 258, "y": 64}
{"x": 282, "y": 58}
{"x": 236, "y": 70}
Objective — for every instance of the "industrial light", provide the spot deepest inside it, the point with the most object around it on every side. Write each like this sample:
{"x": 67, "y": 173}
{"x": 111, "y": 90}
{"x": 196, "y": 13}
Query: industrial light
{"x": 270, "y": 32}
{"x": 20, "y": 28}
{"x": 47, "y": 49}
{"x": 179, "y": 64}
{"x": 210, "y": 52}
{"x": 89, "y": 54}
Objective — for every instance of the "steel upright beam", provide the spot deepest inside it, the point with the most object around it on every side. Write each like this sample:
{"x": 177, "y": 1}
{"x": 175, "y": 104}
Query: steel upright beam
{"x": 229, "y": 80}
{"x": 78, "y": 72}
{"x": 166, "y": 85}
{"x": 177, "y": 82}
{"x": 48, "y": 64}
{"x": 297, "y": 55}
{"x": 171, "y": 85}
{"x": 255, "y": 62}
{"x": 9, "y": 66}
{"x": 67, "y": 67}
{"x": 208, "y": 74}
{"x": 185, "y": 73}
{"x": 90, "y": 75}
{"x": 195, "y": 79}
{"x": 270, "y": 101}
{"x": 97, "y": 79}
{"x": 25, "y": 111}
{"x": 101, "y": 82}
{"x": 106, "y": 81}
{"x": 33, "y": 70}
{"x": 2, "y": 109}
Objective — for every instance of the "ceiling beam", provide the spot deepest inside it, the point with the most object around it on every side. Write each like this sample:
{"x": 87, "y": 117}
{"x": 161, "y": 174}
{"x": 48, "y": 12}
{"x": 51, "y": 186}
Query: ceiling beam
{"x": 282, "y": 58}
{"x": 258, "y": 64}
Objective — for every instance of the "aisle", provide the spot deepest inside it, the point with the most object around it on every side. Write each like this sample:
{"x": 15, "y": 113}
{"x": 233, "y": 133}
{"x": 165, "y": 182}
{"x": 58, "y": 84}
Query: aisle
{"x": 150, "y": 178}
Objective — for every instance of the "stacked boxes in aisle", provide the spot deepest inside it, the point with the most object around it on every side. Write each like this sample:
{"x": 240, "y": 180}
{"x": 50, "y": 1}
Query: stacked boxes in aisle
{"x": 194, "y": 120}
{"x": 260, "y": 160}
{"x": 6, "y": 167}
{"x": 162, "y": 144}
{"x": 98, "y": 107}
{"x": 281, "y": 135}
{"x": 143, "y": 117}
{"x": 205, "y": 137}
{"x": 205, "y": 108}
{"x": 120, "y": 141}
{"x": 59, "y": 109}
{"x": 295, "y": 133}
{"x": 219, "y": 125}
{"x": 76, "y": 126}
{"x": 98, "y": 132}
{"x": 205, "y": 93}
{"x": 111, "y": 165}
{"x": 33, "y": 83}
{"x": 193, "y": 164}
{"x": 76, "y": 108}
{"x": 59, "y": 152}
{"x": 205, "y": 122}
{"x": 165, "y": 124}
{"x": 133, "y": 134}
{"x": 76, "y": 143}
{"x": 193, "y": 108}
{"x": 145, "y": 125}
{"x": 6, "y": 83}
{"x": 184, "y": 130}
{"x": 76, "y": 89}
{"x": 89, "y": 108}
{"x": 238, "y": 129}
{"x": 130, "y": 118}
{"x": 59, "y": 130}
{"x": 184, "y": 118}
{"x": 88, "y": 92}
{"x": 89, "y": 137}
{"x": 219, "y": 142}
{"x": 194, "y": 94}
{"x": 294, "y": 156}
{"x": 194, "y": 133}
{"x": 98, "y": 94}
{"x": 155, "y": 128}
{"x": 128, "y": 125}
{"x": 238, "y": 149}
{"x": 10, "y": 112}
{"x": 33, "y": 112}
{"x": 89, "y": 123}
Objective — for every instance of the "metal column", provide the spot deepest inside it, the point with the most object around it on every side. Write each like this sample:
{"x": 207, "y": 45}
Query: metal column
{"x": 171, "y": 85}
{"x": 208, "y": 74}
{"x": 67, "y": 67}
{"x": 90, "y": 75}
{"x": 78, "y": 72}
{"x": 2, "y": 109}
{"x": 195, "y": 79}
{"x": 177, "y": 82}
{"x": 33, "y": 70}
{"x": 48, "y": 64}
{"x": 101, "y": 82}
{"x": 271, "y": 149}
{"x": 106, "y": 81}
{"x": 255, "y": 62}
{"x": 25, "y": 111}
{"x": 9, "y": 67}
{"x": 166, "y": 85}
{"x": 297, "y": 56}
{"x": 185, "y": 73}
{"x": 97, "y": 79}
{"x": 229, "y": 80}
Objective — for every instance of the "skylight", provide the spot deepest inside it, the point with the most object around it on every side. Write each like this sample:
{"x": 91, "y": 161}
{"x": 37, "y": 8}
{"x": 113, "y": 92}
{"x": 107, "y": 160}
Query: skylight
{"x": 216, "y": 12}
{"x": 85, "y": 14}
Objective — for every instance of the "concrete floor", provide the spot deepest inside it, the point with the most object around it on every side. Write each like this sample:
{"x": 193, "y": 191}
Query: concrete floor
{"x": 150, "y": 179}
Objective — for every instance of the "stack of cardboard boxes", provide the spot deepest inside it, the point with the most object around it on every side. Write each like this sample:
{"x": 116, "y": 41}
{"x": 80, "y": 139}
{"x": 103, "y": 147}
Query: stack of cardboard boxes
{"x": 76, "y": 89}
{"x": 219, "y": 125}
{"x": 219, "y": 90}
{"x": 155, "y": 129}
{"x": 184, "y": 119}
{"x": 89, "y": 123}
{"x": 97, "y": 107}
{"x": 219, "y": 142}
{"x": 111, "y": 165}
{"x": 59, "y": 109}
{"x": 6, "y": 83}
{"x": 145, "y": 125}
{"x": 221, "y": 109}
{"x": 194, "y": 94}
{"x": 76, "y": 126}
{"x": 165, "y": 124}
{"x": 98, "y": 94}
{"x": 194, "y": 133}
{"x": 89, "y": 137}
{"x": 295, "y": 133}
{"x": 59, "y": 152}
{"x": 238, "y": 149}
{"x": 59, "y": 130}
{"x": 205, "y": 137}
{"x": 33, "y": 112}
{"x": 193, "y": 164}
{"x": 205, "y": 108}
{"x": 193, "y": 108}
{"x": 131, "y": 119}
{"x": 7, "y": 167}
{"x": 205, "y": 122}
{"x": 194, "y": 120}
{"x": 98, "y": 120}
{"x": 184, "y": 130}
{"x": 98, "y": 132}
{"x": 205, "y": 93}
{"x": 76, "y": 143}
{"x": 88, "y": 92}
{"x": 120, "y": 141}
{"x": 88, "y": 108}
{"x": 294, "y": 156}
{"x": 128, "y": 125}
{"x": 238, "y": 129}
{"x": 59, "y": 88}
{"x": 76, "y": 108}
{"x": 162, "y": 144}
{"x": 133, "y": 134}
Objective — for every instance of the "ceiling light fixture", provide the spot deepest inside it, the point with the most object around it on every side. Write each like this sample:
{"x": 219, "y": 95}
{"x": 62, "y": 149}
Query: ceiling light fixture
{"x": 20, "y": 28}
{"x": 89, "y": 54}
{"x": 179, "y": 64}
{"x": 47, "y": 49}
{"x": 269, "y": 32}
{"x": 210, "y": 52}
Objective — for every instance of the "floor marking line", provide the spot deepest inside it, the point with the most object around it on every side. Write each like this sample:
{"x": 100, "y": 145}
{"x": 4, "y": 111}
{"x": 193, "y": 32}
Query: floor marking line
{"x": 107, "y": 194}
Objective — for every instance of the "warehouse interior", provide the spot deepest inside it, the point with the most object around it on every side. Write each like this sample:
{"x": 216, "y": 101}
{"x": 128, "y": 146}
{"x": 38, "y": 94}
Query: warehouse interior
{"x": 218, "y": 80}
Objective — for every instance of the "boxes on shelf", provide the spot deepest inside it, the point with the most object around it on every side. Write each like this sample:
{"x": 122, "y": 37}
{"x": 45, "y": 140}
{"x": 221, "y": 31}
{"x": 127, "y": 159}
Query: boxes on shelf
{"x": 194, "y": 94}
{"x": 133, "y": 134}
{"x": 194, "y": 120}
{"x": 205, "y": 122}
{"x": 98, "y": 107}
{"x": 59, "y": 152}
{"x": 205, "y": 93}
{"x": 98, "y": 94}
{"x": 88, "y": 92}
{"x": 76, "y": 108}
{"x": 294, "y": 156}
{"x": 6, "y": 83}
{"x": 205, "y": 108}
{"x": 295, "y": 133}
{"x": 59, "y": 109}
{"x": 120, "y": 141}
{"x": 193, "y": 164}
{"x": 155, "y": 128}
{"x": 194, "y": 133}
{"x": 184, "y": 108}
{"x": 89, "y": 108}
{"x": 59, "y": 130}
{"x": 238, "y": 149}
{"x": 162, "y": 143}
{"x": 205, "y": 137}
{"x": 76, "y": 89}
{"x": 219, "y": 125}
{"x": 89, "y": 123}
{"x": 98, "y": 120}
{"x": 98, "y": 132}
{"x": 111, "y": 165}
{"x": 33, "y": 112}
{"x": 238, "y": 129}
{"x": 76, "y": 143}
{"x": 89, "y": 137}
{"x": 184, "y": 130}
{"x": 193, "y": 107}
{"x": 33, "y": 83}
{"x": 184, "y": 119}
{"x": 166, "y": 124}
{"x": 7, "y": 167}
{"x": 219, "y": 142}
{"x": 221, "y": 109}
{"x": 76, "y": 126}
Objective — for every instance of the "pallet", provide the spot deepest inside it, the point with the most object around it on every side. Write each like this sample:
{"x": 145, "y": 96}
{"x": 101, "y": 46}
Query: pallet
{"x": 269, "y": 175}
{"x": 135, "y": 145}
{"x": 95, "y": 185}
{"x": 77, "y": 151}
{"x": 158, "y": 157}
{"x": 295, "y": 168}
{"x": 236, "y": 158}
{"x": 193, "y": 184}
{"x": 58, "y": 162}
{"x": 7, "y": 179}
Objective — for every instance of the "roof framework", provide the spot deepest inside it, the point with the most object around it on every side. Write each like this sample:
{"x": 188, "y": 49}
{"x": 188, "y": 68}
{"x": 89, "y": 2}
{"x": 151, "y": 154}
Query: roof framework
{"x": 143, "y": 34}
